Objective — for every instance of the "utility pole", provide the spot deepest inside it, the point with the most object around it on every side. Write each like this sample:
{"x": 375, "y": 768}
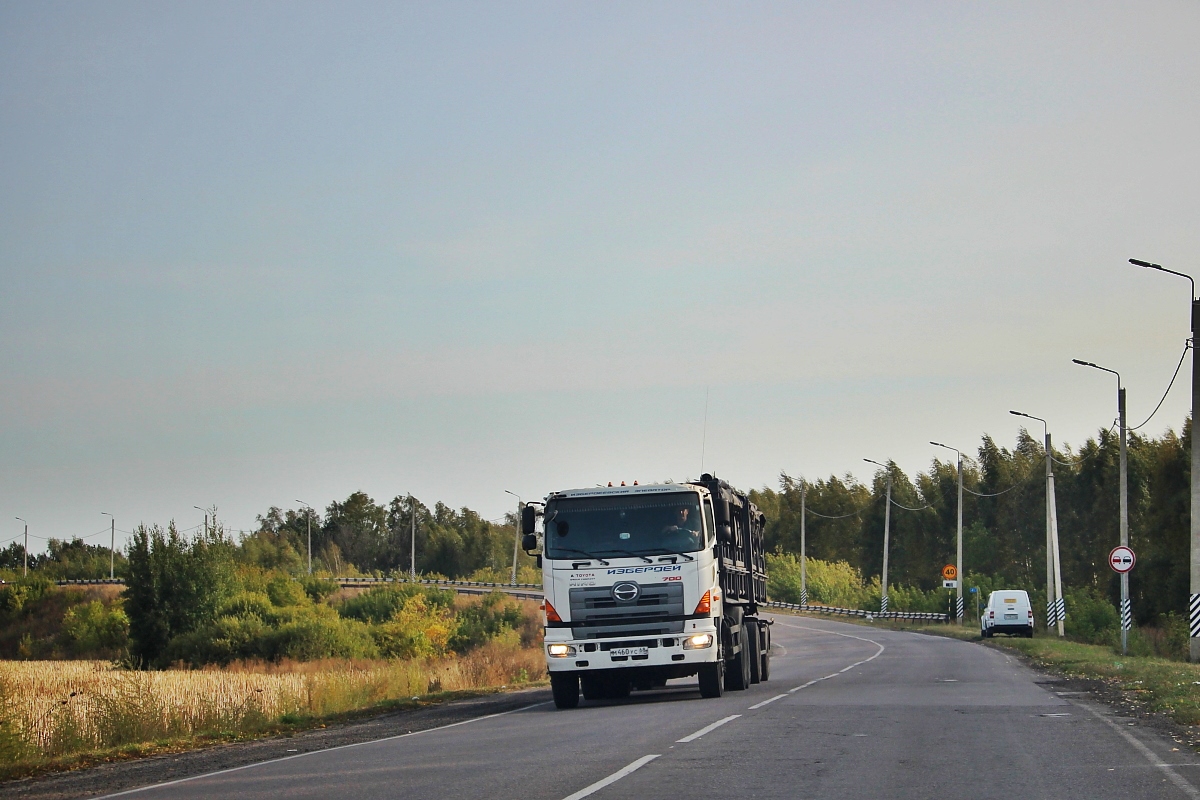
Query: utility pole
{"x": 26, "y": 553}
{"x": 1055, "y": 606}
{"x": 112, "y": 545}
{"x": 803, "y": 550}
{"x": 412, "y": 553}
{"x": 887, "y": 525}
{"x": 198, "y": 508}
{"x": 958, "y": 564}
{"x": 1194, "y": 592}
{"x": 1126, "y": 607}
{"x": 517, "y": 538}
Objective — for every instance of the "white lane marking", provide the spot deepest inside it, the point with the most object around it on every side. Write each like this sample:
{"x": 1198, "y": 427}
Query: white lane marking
{"x": 878, "y": 653}
{"x": 616, "y": 776}
{"x": 314, "y": 752}
{"x": 1175, "y": 777}
{"x": 766, "y": 702}
{"x": 708, "y": 728}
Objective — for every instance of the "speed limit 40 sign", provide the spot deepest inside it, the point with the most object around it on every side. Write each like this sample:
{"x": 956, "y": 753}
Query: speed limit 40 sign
{"x": 1121, "y": 559}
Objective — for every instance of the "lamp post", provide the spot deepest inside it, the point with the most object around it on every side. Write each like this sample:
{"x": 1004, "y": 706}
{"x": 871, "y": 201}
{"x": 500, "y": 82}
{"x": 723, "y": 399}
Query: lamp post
{"x": 1055, "y": 606}
{"x": 26, "y": 549}
{"x": 960, "y": 606}
{"x": 517, "y": 543}
{"x": 112, "y": 545}
{"x": 803, "y": 549}
{"x": 1126, "y": 610}
{"x": 887, "y": 525}
{"x": 198, "y": 508}
{"x": 412, "y": 553}
{"x": 308, "y": 516}
{"x": 1194, "y": 591}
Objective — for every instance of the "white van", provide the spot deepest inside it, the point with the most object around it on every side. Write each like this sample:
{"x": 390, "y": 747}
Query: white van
{"x": 1007, "y": 611}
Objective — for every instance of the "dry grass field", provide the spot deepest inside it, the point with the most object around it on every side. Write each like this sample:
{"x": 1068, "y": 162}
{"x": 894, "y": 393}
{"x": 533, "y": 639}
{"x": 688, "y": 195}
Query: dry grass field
{"x": 51, "y": 709}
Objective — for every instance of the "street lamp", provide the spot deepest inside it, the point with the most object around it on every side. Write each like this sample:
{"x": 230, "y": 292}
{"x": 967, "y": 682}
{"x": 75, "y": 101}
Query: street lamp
{"x": 26, "y": 553}
{"x": 1194, "y": 592}
{"x": 308, "y": 516}
{"x": 517, "y": 543}
{"x": 887, "y": 525}
{"x": 112, "y": 545}
{"x": 1055, "y": 605}
{"x": 959, "y": 605}
{"x": 198, "y": 508}
{"x": 1126, "y": 610}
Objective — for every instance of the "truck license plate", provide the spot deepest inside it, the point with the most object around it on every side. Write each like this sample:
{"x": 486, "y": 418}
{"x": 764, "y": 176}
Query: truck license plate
{"x": 616, "y": 652}
{"x": 1010, "y": 616}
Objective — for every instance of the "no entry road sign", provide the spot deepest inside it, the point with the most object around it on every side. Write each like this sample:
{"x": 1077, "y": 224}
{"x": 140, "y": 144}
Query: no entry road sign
{"x": 1121, "y": 559}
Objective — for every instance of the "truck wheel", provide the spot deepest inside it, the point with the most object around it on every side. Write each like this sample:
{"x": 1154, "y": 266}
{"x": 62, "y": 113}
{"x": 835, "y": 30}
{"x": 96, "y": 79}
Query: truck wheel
{"x": 750, "y": 626}
{"x": 712, "y": 679}
{"x": 765, "y": 671}
{"x": 592, "y": 687}
{"x": 737, "y": 672}
{"x": 565, "y": 687}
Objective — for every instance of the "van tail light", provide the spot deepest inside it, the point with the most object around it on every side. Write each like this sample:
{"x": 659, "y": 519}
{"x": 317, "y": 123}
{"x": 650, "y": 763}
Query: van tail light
{"x": 991, "y": 615}
{"x": 551, "y": 614}
{"x": 1030, "y": 613}
{"x": 705, "y": 604}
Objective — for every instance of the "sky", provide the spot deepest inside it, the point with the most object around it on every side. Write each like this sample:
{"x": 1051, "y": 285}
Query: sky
{"x": 257, "y": 254}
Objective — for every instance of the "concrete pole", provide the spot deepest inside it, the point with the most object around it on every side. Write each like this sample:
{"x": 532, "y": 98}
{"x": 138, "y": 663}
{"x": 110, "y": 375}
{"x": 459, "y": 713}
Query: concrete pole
{"x": 1049, "y": 535}
{"x": 1124, "y": 519}
{"x": 1058, "y": 590}
{"x": 517, "y": 541}
{"x": 308, "y": 516}
{"x": 112, "y": 550}
{"x": 26, "y": 571}
{"x": 412, "y": 556}
{"x": 887, "y": 526}
{"x": 1194, "y": 600}
{"x": 803, "y": 550}
{"x": 960, "y": 607}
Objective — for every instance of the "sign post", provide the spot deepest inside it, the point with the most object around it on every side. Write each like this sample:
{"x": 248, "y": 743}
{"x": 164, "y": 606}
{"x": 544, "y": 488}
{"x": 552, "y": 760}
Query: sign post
{"x": 1122, "y": 560}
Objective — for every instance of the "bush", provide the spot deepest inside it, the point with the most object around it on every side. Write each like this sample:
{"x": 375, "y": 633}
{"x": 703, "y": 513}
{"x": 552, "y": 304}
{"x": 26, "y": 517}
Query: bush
{"x": 1091, "y": 618}
{"x": 416, "y": 630}
{"x": 311, "y": 638}
{"x": 494, "y": 616}
{"x": 380, "y": 603}
{"x": 92, "y": 629}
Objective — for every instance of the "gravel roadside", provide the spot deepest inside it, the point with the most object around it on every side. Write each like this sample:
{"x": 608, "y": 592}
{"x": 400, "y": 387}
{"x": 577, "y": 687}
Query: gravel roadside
{"x": 124, "y": 775}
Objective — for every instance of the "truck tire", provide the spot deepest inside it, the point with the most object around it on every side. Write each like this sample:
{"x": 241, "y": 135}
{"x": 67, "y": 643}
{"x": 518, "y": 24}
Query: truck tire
{"x": 737, "y": 671}
{"x": 565, "y": 688}
{"x": 765, "y": 671}
{"x": 750, "y": 626}
{"x": 712, "y": 679}
{"x": 591, "y": 686}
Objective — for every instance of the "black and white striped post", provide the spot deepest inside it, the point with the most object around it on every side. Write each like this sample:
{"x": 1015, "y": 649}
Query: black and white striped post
{"x": 1194, "y": 598}
{"x": 959, "y": 575}
{"x": 803, "y": 550}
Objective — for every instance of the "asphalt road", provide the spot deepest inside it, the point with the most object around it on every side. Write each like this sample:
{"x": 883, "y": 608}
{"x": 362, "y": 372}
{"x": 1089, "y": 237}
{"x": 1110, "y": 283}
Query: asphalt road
{"x": 849, "y": 712}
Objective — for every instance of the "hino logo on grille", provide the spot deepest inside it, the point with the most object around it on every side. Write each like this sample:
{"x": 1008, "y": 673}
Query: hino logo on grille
{"x": 625, "y": 592}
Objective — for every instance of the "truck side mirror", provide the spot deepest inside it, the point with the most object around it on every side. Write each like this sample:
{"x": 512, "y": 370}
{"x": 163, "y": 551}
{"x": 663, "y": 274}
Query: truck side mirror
{"x": 725, "y": 532}
{"x": 528, "y": 517}
{"x": 721, "y": 509}
{"x": 529, "y": 542}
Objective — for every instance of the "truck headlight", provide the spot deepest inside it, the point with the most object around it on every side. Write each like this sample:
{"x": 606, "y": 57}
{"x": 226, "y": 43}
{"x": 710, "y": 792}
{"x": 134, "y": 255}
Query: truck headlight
{"x": 560, "y": 650}
{"x": 698, "y": 641}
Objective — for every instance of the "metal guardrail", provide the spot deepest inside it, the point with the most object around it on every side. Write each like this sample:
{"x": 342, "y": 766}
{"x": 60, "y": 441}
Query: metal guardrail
{"x": 525, "y": 591}
{"x": 858, "y": 612}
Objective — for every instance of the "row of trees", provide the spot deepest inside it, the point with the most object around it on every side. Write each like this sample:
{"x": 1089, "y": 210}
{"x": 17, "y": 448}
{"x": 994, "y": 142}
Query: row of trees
{"x": 1004, "y": 518}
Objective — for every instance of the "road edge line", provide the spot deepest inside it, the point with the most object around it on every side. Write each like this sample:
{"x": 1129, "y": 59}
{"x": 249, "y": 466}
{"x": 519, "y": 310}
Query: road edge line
{"x": 707, "y": 729}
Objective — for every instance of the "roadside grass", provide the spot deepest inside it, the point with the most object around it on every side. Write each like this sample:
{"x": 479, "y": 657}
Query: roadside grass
{"x": 67, "y": 714}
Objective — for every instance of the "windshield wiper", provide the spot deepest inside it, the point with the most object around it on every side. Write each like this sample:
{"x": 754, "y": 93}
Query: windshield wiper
{"x": 662, "y": 552}
{"x": 631, "y": 553}
{"x": 580, "y": 552}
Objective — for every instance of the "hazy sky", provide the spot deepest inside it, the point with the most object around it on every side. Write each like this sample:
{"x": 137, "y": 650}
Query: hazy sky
{"x": 255, "y": 252}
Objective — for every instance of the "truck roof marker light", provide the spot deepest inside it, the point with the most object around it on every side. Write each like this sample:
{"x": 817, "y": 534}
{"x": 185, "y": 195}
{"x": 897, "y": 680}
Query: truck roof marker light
{"x": 635, "y": 483}
{"x": 551, "y": 614}
{"x": 705, "y": 604}
{"x": 610, "y": 483}
{"x": 622, "y": 483}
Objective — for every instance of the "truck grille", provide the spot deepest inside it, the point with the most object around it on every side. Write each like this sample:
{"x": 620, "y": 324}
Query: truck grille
{"x": 601, "y": 616}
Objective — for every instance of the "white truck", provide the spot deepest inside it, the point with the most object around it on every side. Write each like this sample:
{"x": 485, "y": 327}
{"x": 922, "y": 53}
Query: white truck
{"x": 648, "y": 583}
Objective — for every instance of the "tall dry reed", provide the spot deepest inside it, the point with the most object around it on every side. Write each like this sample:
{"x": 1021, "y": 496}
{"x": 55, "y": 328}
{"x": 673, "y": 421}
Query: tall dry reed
{"x": 56, "y": 708}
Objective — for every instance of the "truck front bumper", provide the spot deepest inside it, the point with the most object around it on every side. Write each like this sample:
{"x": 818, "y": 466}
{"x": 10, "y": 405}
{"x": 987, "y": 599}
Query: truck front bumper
{"x": 571, "y": 655}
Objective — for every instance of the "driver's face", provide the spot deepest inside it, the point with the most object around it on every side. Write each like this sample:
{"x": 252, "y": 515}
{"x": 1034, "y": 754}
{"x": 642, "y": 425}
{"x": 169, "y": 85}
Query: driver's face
{"x": 682, "y": 514}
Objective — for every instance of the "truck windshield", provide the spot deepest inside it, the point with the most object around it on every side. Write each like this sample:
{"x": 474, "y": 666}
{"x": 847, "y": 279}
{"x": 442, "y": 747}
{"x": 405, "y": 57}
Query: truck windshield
{"x": 627, "y": 525}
